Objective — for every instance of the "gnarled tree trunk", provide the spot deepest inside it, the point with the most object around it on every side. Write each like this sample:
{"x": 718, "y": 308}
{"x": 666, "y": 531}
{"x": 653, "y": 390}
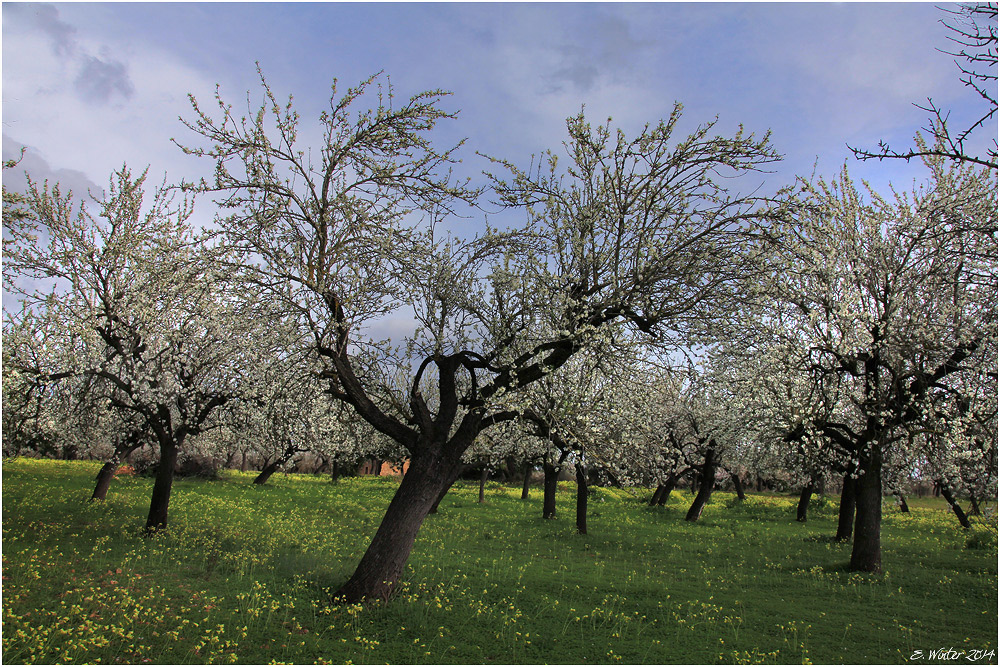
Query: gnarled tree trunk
{"x": 668, "y": 488}
{"x": 437, "y": 501}
{"x": 581, "y": 499}
{"x": 108, "y": 470}
{"x": 655, "y": 498}
{"x": 738, "y": 486}
{"x": 845, "y": 518}
{"x": 707, "y": 475}
{"x": 380, "y": 568}
{"x": 866, "y": 554}
{"x": 802, "y": 511}
{"x": 551, "y": 485}
{"x": 273, "y": 466}
{"x": 901, "y": 501}
{"x": 955, "y": 507}
{"x": 266, "y": 473}
{"x": 160, "y": 500}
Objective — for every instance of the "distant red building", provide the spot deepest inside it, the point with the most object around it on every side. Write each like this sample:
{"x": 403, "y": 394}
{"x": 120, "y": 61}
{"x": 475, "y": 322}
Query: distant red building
{"x": 377, "y": 467}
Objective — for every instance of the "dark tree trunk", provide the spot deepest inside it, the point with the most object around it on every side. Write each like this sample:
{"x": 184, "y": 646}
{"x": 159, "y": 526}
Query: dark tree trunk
{"x": 160, "y": 501}
{"x": 901, "y": 501}
{"x": 437, "y": 501}
{"x": 482, "y": 484}
{"x": 380, "y": 568}
{"x": 975, "y": 511}
{"x": 266, "y": 473}
{"x": 738, "y": 485}
{"x": 655, "y": 498}
{"x": 937, "y": 489}
{"x": 321, "y": 465}
{"x": 334, "y": 471}
{"x": 668, "y": 488}
{"x": 527, "y": 481}
{"x": 845, "y": 519}
{"x": 707, "y": 486}
{"x": 509, "y": 470}
{"x": 759, "y": 484}
{"x": 955, "y": 507}
{"x": 802, "y": 511}
{"x": 549, "y": 495}
{"x": 272, "y": 467}
{"x": 444, "y": 492}
{"x": 581, "y": 499}
{"x": 866, "y": 554}
{"x": 243, "y": 462}
{"x": 108, "y": 470}
{"x": 104, "y": 477}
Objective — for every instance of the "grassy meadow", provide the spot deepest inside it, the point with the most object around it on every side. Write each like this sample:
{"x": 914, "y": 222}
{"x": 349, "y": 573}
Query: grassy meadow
{"x": 244, "y": 575}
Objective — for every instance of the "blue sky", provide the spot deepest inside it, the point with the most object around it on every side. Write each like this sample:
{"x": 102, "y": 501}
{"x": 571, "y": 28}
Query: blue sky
{"x": 88, "y": 86}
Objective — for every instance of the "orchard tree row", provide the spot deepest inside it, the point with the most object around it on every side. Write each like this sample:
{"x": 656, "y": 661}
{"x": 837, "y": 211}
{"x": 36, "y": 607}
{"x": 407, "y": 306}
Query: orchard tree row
{"x": 647, "y": 320}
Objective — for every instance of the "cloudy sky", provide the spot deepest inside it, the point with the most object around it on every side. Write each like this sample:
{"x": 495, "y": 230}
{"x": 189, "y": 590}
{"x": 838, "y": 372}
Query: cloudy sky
{"x": 87, "y": 87}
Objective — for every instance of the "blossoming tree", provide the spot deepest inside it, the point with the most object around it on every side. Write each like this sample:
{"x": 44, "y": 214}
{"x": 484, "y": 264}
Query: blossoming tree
{"x": 140, "y": 308}
{"x": 639, "y": 231}
{"x": 886, "y": 306}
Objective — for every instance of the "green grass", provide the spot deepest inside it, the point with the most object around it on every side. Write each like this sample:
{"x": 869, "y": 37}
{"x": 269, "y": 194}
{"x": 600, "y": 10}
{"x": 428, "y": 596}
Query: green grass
{"x": 244, "y": 575}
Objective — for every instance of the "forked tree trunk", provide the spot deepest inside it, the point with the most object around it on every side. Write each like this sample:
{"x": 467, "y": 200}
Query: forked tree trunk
{"x": 738, "y": 485}
{"x": 707, "y": 486}
{"x": 108, "y": 470}
{"x": 160, "y": 501}
{"x": 802, "y": 511}
{"x": 655, "y": 498}
{"x": 866, "y": 554}
{"x": 527, "y": 482}
{"x": 581, "y": 499}
{"x": 482, "y": 484}
{"x": 955, "y": 507}
{"x": 382, "y": 565}
{"x": 845, "y": 518}
{"x": 549, "y": 495}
